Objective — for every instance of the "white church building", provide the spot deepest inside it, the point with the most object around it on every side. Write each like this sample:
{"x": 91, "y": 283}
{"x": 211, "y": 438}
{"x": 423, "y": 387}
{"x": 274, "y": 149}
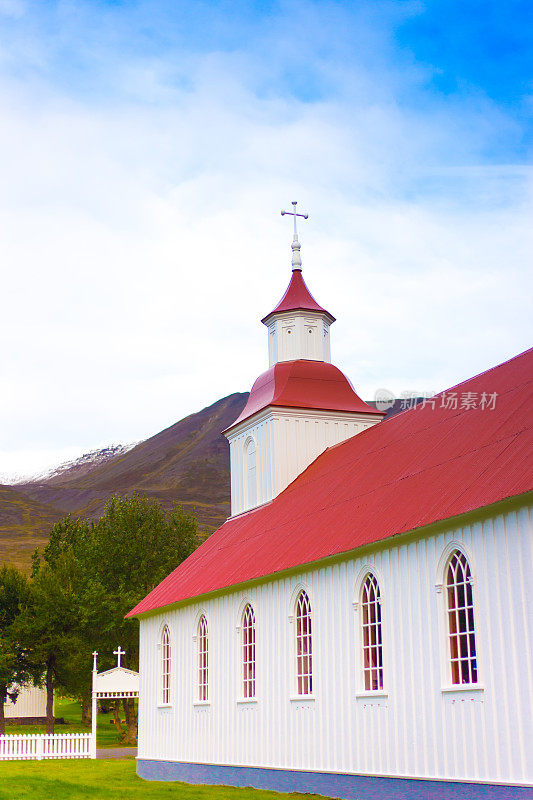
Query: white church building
{"x": 30, "y": 706}
{"x": 361, "y": 626}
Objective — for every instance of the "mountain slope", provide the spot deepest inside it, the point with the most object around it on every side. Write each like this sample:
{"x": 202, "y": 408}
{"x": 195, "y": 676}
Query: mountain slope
{"x": 187, "y": 463}
{"x": 24, "y": 522}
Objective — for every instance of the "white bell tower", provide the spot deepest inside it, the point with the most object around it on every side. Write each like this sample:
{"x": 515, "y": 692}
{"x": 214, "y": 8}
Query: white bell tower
{"x": 300, "y": 406}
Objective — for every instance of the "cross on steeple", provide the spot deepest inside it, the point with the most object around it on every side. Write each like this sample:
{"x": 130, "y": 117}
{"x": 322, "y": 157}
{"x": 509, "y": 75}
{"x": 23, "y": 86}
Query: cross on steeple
{"x": 119, "y": 653}
{"x": 295, "y": 214}
{"x": 296, "y": 259}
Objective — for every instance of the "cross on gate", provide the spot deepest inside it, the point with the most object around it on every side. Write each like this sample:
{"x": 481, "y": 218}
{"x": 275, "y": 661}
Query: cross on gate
{"x": 295, "y": 214}
{"x": 119, "y": 653}
{"x": 113, "y": 684}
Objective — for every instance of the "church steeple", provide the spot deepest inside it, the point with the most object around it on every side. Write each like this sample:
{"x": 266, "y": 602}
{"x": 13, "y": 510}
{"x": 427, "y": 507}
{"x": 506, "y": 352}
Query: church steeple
{"x": 298, "y": 327}
{"x": 299, "y": 406}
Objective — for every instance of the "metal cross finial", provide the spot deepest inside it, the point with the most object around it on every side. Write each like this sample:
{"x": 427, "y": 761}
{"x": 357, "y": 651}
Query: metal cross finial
{"x": 119, "y": 653}
{"x": 296, "y": 258}
{"x": 294, "y": 214}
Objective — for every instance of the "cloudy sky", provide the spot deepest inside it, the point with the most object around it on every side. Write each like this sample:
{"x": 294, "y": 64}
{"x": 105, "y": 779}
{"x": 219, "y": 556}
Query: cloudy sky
{"x": 146, "y": 149}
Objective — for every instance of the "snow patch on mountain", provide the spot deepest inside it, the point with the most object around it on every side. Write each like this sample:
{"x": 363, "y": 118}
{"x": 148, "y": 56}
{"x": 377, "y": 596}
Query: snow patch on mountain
{"x": 87, "y": 461}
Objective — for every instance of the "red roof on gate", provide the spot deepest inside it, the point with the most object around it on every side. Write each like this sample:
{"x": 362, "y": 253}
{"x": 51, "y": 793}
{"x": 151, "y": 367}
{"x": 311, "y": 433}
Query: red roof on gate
{"x": 423, "y": 465}
{"x": 304, "y": 384}
{"x": 298, "y": 297}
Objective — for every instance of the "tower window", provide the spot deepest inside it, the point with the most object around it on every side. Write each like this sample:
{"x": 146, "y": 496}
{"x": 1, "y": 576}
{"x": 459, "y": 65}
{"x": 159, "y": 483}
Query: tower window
{"x": 251, "y": 473}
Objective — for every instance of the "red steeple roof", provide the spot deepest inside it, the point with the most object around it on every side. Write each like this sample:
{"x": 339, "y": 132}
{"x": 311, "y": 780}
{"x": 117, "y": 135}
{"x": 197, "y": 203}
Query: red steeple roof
{"x": 304, "y": 384}
{"x": 298, "y": 297}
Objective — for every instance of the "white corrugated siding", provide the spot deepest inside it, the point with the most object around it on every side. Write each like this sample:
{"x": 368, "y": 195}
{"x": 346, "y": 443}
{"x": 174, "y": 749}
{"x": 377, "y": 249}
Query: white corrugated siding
{"x": 417, "y": 730}
{"x": 31, "y": 702}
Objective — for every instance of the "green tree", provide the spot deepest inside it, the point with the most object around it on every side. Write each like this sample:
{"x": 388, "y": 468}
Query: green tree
{"x": 64, "y": 559}
{"x": 14, "y": 672}
{"x": 92, "y": 574}
{"x": 135, "y": 544}
{"x": 50, "y": 627}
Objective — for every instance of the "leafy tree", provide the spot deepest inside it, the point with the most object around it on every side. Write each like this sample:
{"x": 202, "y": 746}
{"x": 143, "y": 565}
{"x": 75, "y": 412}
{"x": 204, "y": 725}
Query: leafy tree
{"x": 50, "y": 627}
{"x": 136, "y": 544}
{"x": 67, "y": 534}
{"x": 60, "y": 581}
{"x": 13, "y": 668}
{"x": 92, "y": 574}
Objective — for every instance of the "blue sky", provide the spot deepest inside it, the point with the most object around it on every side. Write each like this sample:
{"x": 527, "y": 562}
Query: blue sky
{"x": 483, "y": 46}
{"x": 462, "y": 47}
{"x": 146, "y": 149}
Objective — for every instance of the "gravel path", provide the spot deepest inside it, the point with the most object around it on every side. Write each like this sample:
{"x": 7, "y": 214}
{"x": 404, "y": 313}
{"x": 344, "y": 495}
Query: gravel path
{"x": 117, "y": 752}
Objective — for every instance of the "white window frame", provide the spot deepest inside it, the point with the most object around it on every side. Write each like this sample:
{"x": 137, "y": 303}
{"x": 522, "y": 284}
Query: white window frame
{"x": 447, "y": 687}
{"x": 374, "y": 696}
{"x": 248, "y": 653}
{"x": 165, "y": 666}
{"x": 371, "y": 636}
{"x": 202, "y": 660}
{"x": 460, "y": 622}
{"x": 303, "y": 648}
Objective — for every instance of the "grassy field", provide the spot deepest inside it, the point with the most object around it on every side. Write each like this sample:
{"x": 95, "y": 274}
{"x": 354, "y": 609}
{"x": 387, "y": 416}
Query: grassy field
{"x": 108, "y": 780}
{"x": 106, "y": 734}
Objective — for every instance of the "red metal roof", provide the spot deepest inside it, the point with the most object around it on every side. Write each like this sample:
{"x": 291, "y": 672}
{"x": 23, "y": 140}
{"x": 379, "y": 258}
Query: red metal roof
{"x": 418, "y": 467}
{"x": 304, "y": 384}
{"x": 298, "y": 297}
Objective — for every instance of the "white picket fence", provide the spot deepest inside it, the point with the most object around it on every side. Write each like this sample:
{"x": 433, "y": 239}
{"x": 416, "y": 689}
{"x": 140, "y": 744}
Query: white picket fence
{"x": 37, "y": 746}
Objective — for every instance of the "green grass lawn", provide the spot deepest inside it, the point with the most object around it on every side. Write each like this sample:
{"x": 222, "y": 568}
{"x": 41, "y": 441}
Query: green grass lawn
{"x": 108, "y": 780}
{"x": 106, "y": 734}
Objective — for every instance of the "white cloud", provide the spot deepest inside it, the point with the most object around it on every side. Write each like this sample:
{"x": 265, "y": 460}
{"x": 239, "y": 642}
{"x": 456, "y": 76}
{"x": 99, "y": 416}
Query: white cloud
{"x": 141, "y": 238}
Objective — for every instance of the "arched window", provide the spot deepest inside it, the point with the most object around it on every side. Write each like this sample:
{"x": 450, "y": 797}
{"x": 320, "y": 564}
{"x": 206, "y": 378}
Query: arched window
{"x": 248, "y": 651}
{"x": 461, "y": 631}
{"x": 203, "y": 659}
{"x": 371, "y": 634}
{"x": 165, "y": 665}
{"x": 304, "y": 645}
{"x": 251, "y": 474}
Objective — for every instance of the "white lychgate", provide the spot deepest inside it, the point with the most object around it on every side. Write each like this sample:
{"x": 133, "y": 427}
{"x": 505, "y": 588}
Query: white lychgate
{"x": 113, "y": 684}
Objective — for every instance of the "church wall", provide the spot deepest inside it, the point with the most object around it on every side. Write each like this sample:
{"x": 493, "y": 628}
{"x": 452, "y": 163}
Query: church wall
{"x": 418, "y": 726}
